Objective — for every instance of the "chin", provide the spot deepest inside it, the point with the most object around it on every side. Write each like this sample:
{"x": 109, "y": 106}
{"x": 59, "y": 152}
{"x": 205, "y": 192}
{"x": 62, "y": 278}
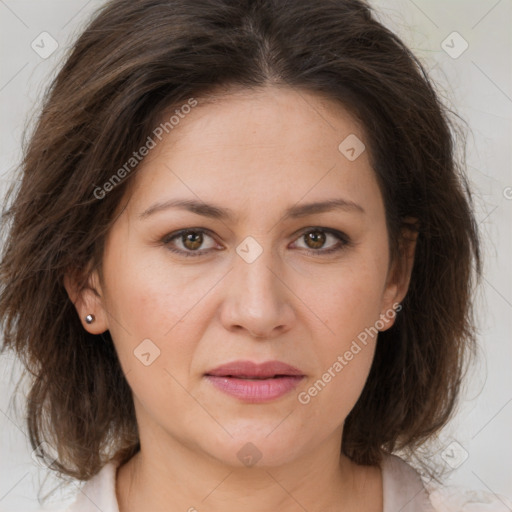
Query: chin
{"x": 255, "y": 448}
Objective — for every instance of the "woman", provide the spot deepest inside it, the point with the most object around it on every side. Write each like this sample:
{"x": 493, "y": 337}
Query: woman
{"x": 241, "y": 260}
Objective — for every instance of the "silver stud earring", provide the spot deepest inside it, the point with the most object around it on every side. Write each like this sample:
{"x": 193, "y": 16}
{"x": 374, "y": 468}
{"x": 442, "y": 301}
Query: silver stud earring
{"x": 89, "y": 319}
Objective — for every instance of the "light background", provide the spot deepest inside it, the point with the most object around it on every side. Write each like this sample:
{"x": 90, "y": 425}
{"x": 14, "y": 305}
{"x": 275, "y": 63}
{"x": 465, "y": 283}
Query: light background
{"x": 476, "y": 84}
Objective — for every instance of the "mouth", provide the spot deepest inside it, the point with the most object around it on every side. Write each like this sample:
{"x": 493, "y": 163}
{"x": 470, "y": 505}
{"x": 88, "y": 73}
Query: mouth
{"x": 255, "y": 383}
{"x": 250, "y": 370}
{"x": 247, "y": 377}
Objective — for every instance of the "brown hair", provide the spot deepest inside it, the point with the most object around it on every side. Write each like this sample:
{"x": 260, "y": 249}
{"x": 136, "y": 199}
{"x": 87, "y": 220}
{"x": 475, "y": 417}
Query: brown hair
{"x": 138, "y": 59}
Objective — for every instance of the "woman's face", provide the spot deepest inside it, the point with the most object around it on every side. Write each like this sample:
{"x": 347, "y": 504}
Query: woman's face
{"x": 263, "y": 276}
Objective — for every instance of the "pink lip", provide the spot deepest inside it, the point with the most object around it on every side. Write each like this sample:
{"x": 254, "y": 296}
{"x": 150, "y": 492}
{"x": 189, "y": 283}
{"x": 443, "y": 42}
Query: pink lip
{"x": 251, "y": 369}
{"x": 275, "y": 380}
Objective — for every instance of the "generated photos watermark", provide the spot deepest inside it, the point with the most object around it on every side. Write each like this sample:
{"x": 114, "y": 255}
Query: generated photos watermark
{"x": 151, "y": 142}
{"x": 304, "y": 397}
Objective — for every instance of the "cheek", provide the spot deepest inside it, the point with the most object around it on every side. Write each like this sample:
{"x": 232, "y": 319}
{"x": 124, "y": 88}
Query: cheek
{"x": 147, "y": 302}
{"x": 156, "y": 335}
{"x": 146, "y": 294}
{"x": 348, "y": 303}
{"x": 334, "y": 394}
{"x": 346, "y": 300}
{"x": 345, "y": 355}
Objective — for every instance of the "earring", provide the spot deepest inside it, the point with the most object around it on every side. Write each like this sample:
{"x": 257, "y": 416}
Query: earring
{"x": 89, "y": 319}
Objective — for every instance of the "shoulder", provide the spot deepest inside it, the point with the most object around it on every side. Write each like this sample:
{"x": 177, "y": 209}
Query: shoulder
{"x": 459, "y": 499}
{"x": 405, "y": 488}
{"x": 98, "y": 493}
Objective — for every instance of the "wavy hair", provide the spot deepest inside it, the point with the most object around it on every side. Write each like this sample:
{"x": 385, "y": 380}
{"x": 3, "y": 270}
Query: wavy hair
{"x": 136, "y": 60}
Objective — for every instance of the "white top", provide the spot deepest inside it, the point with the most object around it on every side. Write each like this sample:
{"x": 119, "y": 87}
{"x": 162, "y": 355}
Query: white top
{"x": 403, "y": 490}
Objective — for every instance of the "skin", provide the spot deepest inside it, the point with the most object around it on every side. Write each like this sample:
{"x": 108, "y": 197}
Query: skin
{"x": 256, "y": 153}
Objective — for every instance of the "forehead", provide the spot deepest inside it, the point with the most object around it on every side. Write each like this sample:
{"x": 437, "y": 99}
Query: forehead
{"x": 273, "y": 118}
{"x": 275, "y": 144}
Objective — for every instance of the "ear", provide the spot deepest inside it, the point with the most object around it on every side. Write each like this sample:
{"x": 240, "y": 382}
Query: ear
{"x": 88, "y": 300}
{"x": 399, "y": 273}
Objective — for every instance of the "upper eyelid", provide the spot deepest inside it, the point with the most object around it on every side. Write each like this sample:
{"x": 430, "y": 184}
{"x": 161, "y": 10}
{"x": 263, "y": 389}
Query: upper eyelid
{"x": 341, "y": 236}
{"x": 335, "y": 233}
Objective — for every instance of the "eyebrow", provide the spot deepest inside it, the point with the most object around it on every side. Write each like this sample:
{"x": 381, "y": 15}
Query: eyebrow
{"x": 226, "y": 214}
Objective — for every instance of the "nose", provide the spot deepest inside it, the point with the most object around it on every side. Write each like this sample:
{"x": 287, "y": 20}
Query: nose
{"x": 257, "y": 299}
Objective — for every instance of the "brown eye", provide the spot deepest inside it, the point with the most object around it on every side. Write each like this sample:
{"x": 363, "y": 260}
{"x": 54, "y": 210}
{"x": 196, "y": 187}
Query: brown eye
{"x": 187, "y": 242}
{"x": 192, "y": 240}
{"x": 315, "y": 239}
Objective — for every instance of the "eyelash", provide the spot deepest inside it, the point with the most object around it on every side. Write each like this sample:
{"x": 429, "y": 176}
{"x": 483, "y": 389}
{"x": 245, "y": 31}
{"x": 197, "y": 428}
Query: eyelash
{"x": 343, "y": 239}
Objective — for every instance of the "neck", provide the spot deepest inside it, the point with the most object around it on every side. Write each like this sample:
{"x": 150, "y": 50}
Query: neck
{"x": 178, "y": 478}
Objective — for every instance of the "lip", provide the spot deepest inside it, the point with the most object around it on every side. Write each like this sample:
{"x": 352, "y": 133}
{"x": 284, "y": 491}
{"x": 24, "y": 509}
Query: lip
{"x": 250, "y": 369}
{"x": 273, "y": 379}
